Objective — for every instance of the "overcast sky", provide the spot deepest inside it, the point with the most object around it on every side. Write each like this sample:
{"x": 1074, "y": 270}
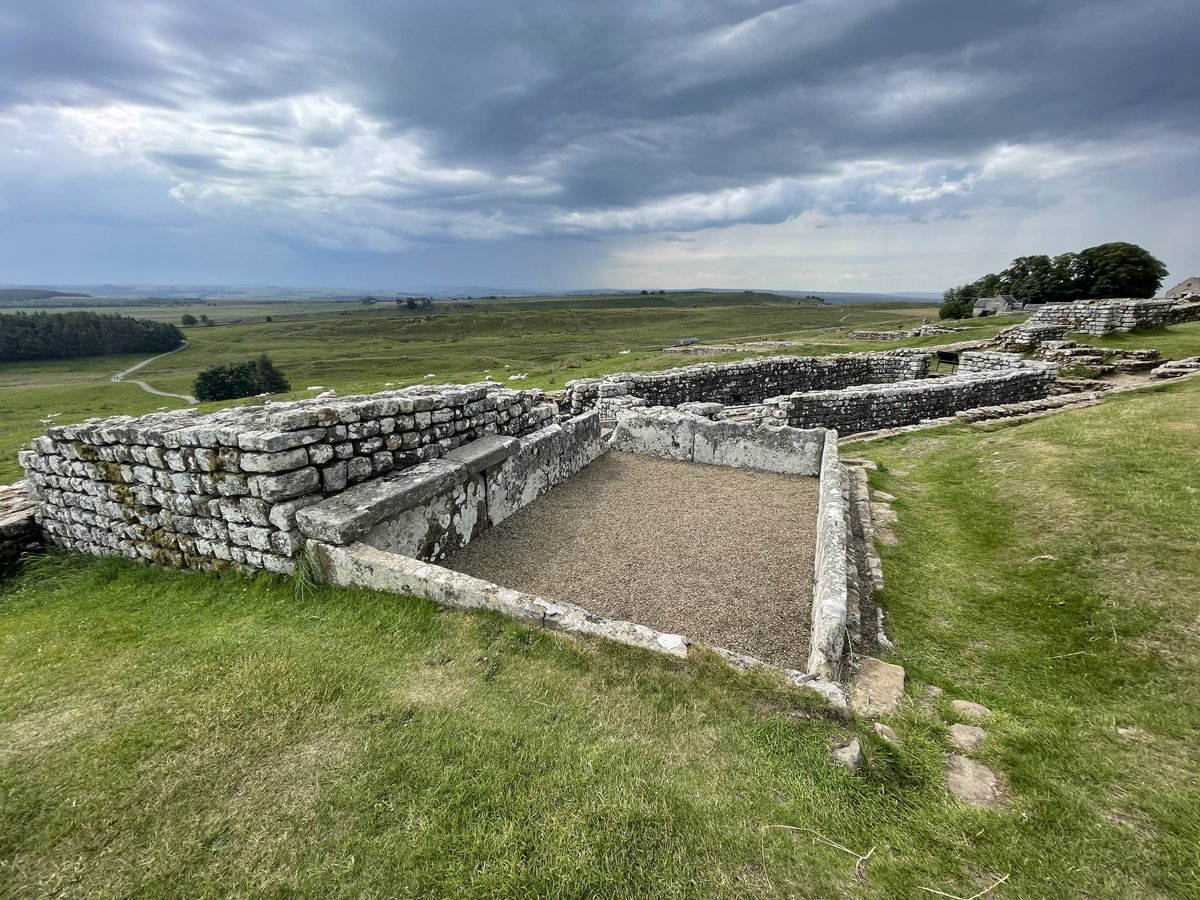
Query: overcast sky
{"x": 828, "y": 144}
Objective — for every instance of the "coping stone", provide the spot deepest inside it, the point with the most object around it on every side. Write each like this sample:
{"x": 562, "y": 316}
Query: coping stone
{"x": 483, "y": 453}
{"x": 347, "y": 516}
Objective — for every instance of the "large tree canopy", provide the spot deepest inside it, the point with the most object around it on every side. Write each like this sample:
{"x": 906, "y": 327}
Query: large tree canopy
{"x": 1117, "y": 269}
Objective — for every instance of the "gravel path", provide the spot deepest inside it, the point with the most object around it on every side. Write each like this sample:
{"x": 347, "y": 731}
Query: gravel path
{"x": 722, "y": 555}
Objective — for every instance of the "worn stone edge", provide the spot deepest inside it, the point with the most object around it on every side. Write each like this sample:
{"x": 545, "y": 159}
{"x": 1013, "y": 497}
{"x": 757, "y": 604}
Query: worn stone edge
{"x": 830, "y": 593}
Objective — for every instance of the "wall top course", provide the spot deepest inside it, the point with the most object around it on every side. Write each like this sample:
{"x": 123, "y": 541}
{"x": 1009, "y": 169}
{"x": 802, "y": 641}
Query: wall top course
{"x": 273, "y": 427}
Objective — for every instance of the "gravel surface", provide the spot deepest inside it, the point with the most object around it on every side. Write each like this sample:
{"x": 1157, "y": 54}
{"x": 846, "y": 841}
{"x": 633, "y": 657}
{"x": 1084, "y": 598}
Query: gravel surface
{"x": 721, "y": 555}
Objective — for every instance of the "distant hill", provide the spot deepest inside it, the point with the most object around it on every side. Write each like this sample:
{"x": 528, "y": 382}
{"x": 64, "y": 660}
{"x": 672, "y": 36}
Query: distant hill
{"x": 14, "y": 296}
{"x": 264, "y": 292}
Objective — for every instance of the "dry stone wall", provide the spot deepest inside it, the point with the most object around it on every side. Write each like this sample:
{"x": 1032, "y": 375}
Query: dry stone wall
{"x": 871, "y": 407}
{"x": 223, "y": 489}
{"x": 749, "y": 381}
{"x": 1100, "y": 317}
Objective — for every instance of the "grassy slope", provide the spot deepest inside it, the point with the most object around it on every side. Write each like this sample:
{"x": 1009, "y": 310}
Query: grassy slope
{"x": 166, "y": 734}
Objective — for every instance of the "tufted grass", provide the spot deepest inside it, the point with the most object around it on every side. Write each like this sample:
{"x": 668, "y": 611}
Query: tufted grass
{"x": 174, "y": 734}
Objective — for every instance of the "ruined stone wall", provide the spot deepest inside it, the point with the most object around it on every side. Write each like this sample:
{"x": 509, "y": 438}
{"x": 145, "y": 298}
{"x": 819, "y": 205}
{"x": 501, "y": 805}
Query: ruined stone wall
{"x": 431, "y": 510}
{"x": 972, "y": 362}
{"x": 752, "y": 380}
{"x": 1100, "y": 317}
{"x": 223, "y": 489}
{"x": 870, "y": 407}
{"x": 19, "y": 532}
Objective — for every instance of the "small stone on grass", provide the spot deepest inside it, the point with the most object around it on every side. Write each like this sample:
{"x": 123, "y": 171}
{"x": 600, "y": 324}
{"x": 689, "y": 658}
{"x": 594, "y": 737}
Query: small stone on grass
{"x": 876, "y": 687}
{"x": 967, "y": 738}
{"x": 849, "y": 756}
{"x": 974, "y": 782}
{"x": 886, "y": 733}
{"x": 975, "y": 712}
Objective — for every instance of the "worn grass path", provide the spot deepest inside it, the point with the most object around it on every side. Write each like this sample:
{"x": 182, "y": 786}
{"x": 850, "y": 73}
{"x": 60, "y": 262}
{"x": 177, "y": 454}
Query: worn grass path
{"x": 167, "y": 734}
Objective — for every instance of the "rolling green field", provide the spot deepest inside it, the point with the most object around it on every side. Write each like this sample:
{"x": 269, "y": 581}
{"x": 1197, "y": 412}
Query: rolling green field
{"x": 352, "y": 348}
{"x": 171, "y": 734}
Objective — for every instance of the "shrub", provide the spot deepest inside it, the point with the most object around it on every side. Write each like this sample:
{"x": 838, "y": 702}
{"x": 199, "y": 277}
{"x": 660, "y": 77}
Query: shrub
{"x": 240, "y": 379}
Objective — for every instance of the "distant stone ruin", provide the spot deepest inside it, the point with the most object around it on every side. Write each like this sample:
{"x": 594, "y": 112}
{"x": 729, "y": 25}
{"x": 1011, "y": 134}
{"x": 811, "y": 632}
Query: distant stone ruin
{"x": 1101, "y": 317}
{"x": 852, "y": 393}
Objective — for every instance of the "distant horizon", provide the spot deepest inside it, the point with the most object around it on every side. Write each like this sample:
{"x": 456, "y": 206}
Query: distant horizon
{"x": 510, "y": 290}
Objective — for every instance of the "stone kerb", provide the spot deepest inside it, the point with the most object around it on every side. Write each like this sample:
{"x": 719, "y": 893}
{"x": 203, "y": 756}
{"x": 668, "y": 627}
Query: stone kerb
{"x": 831, "y": 567}
{"x": 223, "y": 489}
{"x": 674, "y": 434}
{"x": 433, "y": 509}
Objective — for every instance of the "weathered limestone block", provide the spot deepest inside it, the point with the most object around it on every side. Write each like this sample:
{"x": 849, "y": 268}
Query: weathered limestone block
{"x": 657, "y": 431}
{"x": 792, "y": 451}
{"x": 347, "y": 516}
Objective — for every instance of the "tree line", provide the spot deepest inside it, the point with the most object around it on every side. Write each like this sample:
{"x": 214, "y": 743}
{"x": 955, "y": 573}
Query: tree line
{"x": 1116, "y": 269}
{"x": 42, "y": 335}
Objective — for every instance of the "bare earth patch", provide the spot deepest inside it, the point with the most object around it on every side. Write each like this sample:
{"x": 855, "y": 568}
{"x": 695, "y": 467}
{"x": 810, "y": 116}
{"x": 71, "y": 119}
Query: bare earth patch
{"x": 721, "y": 555}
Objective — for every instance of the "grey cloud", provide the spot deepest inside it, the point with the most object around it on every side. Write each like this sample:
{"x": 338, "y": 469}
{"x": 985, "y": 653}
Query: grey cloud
{"x": 622, "y": 106}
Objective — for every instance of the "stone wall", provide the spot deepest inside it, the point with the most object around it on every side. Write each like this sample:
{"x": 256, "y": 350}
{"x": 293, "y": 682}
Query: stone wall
{"x": 972, "y": 362}
{"x": 19, "y": 532}
{"x": 922, "y": 331}
{"x": 1100, "y": 317}
{"x": 751, "y": 380}
{"x": 433, "y": 509}
{"x": 687, "y": 437}
{"x": 871, "y": 407}
{"x": 223, "y": 489}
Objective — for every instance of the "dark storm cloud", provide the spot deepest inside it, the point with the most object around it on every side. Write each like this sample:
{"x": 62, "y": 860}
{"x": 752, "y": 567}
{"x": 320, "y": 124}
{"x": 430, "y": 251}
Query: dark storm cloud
{"x": 564, "y": 116}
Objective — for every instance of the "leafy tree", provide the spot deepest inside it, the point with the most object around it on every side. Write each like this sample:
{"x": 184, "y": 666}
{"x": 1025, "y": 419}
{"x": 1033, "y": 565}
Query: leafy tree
{"x": 240, "y": 379}
{"x": 205, "y": 320}
{"x": 412, "y": 303}
{"x": 188, "y": 319}
{"x": 1108, "y": 270}
{"x": 1119, "y": 269}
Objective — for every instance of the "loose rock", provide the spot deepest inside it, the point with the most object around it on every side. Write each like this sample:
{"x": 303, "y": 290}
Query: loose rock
{"x": 849, "y": 756}
{"x": 974, "y": 782}
{"x": 876, "y": 687}
{"x": 975, "y": 712}
{"x": 967, "y": 738}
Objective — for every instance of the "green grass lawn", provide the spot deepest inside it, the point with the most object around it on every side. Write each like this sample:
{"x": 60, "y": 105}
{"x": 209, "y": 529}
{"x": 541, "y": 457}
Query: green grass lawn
{"x": 172, "y": 734}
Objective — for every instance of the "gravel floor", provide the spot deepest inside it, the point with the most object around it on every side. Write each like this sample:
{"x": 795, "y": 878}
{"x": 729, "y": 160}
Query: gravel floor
{"x": 722, "y": 555}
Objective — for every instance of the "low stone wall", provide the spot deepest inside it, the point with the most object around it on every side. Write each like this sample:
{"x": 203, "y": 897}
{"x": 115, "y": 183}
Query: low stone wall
{"x": 223, "y": 489}
{"x": 1100, "y": 317}
{"x": 827, "y": 642}
{"x": 751, "y": 380}
{"x": 922, "y": 331}
{"x": 19, "y": 531}
{"x": 1027, "y": 337}
{"x": 972, "y": 362}
{"x": 687, "y": 437}
{"x": 871, "y": 407}
{"x": 433, "y": 509}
